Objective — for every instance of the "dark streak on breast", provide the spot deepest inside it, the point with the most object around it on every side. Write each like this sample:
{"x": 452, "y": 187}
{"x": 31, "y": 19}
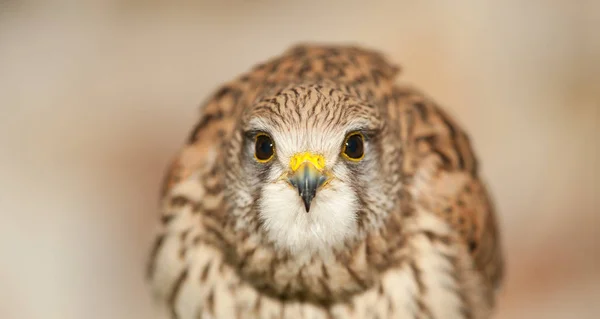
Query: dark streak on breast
{"x": 175, "y": 291}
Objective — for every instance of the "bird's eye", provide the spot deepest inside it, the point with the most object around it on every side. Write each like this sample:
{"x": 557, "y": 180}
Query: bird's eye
{"x": 354, "y": 148}
{"x": 264, "y": 148}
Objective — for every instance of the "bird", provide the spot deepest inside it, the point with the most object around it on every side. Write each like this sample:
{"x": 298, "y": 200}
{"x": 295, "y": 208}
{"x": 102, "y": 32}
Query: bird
{"x": 318, "y": 185}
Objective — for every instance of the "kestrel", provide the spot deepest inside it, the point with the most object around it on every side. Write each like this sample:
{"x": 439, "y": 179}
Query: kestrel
{"x": 315, "y": 186}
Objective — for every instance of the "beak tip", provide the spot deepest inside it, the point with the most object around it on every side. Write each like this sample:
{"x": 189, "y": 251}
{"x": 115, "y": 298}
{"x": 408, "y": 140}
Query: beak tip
{"x": 307, "y": 206}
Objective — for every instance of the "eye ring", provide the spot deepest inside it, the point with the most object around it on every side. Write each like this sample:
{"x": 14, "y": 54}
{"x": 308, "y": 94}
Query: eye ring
{"x": 264, "y": 148}
{"x": 354, "y": 147}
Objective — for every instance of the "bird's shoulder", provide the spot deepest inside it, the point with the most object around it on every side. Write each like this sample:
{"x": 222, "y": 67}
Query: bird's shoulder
{"x": 441, "y": 170}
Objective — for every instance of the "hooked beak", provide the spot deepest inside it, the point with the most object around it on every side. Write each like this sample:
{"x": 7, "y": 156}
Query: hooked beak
{"x": 307, "y": 177}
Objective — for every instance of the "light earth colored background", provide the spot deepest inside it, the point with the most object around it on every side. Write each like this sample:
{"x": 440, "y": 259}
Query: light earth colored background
{"x": 96, "y": 97}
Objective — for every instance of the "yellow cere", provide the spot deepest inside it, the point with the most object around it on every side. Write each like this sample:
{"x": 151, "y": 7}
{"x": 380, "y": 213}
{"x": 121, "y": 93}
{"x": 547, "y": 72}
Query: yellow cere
{"x": 317, "y": 160}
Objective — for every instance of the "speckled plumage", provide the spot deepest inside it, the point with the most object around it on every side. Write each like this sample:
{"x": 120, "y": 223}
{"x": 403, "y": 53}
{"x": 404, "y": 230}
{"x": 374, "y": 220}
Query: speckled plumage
{"x": 409, "y": 232}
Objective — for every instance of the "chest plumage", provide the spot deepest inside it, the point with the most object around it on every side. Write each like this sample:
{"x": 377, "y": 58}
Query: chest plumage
{"x": 314, "y": 186}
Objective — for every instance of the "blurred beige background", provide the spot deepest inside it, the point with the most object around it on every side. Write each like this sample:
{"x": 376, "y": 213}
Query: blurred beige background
{"x": 96, "y": 97}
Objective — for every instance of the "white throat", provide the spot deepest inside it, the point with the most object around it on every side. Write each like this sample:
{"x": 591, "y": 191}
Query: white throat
{"x": 331, "y": 220}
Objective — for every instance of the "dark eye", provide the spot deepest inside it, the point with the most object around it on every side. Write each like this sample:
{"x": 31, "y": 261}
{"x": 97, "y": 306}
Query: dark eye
{"x": 264, "y": 148}
{"x": 354, "y": 147}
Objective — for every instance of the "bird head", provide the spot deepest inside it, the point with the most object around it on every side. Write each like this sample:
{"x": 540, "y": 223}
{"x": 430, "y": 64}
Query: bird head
{"x": 309, "y": 168}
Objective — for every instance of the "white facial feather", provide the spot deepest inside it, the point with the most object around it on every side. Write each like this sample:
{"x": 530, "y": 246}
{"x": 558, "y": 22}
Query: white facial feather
{"x": 331, "y": 219}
